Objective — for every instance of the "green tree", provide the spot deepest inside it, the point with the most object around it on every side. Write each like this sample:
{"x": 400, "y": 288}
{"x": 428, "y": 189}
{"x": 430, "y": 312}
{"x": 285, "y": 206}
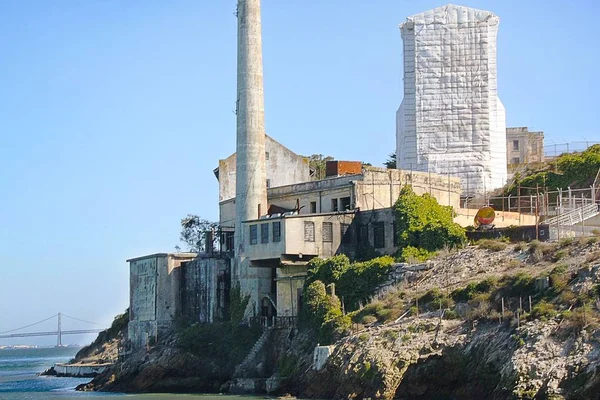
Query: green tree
{"x": 317, "y": 164}
{"x": 390, "y": 163}
{"x": 194, "y": 230}
{"x": 424, "y": 224}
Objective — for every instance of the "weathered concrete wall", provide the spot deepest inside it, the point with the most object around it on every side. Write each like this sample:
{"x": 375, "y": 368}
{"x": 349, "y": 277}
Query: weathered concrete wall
{"x": 290, "y": 281}
{"x": 381, "y": 187}
{"x": 154, "y": 295}
{"x": 80, "y": 370}
{"x": 465, "y": 218}
{"x": 205, "y": 284}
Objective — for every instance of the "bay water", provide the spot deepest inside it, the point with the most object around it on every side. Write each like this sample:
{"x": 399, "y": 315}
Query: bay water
{"x": 19, "y": 379}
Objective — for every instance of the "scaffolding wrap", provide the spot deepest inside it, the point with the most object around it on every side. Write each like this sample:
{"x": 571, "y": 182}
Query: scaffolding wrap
{"x": 451, "y": 120}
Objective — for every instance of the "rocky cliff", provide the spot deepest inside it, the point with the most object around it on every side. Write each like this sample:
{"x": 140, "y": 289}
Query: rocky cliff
{"x": 492, "y": 322}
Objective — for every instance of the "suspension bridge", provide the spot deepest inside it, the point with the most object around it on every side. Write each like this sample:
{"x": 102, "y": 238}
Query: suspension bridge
{"x": 59, "y": 332}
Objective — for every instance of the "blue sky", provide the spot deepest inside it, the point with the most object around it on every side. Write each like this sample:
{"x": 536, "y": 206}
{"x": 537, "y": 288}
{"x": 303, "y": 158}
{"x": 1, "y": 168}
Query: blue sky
{"x": 113, "y": 115}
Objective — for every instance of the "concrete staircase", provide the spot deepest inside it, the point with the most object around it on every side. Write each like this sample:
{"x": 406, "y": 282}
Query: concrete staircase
{"x": 574, "y": 216}
{"x": 250, "y": 359}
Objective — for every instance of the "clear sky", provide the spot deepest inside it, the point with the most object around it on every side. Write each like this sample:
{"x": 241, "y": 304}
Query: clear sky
{"x": 114, "y": 113}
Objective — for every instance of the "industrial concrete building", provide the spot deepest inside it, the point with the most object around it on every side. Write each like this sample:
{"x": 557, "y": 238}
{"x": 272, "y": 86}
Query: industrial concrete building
{"x": 335, "y": 215}
{"x": 451, "y": 120}
{"x": 154, "y": 294}
{"x": 273, "y": 219}
{"x": 524, "y": 147}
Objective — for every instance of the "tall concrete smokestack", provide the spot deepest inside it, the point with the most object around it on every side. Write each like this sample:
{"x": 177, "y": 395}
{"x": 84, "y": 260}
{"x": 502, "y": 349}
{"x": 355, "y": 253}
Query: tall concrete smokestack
{"x": 251, "y": 176}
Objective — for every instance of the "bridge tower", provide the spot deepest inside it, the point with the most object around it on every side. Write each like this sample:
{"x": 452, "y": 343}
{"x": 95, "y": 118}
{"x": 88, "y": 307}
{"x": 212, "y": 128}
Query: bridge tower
{"x": 59, "y": 336}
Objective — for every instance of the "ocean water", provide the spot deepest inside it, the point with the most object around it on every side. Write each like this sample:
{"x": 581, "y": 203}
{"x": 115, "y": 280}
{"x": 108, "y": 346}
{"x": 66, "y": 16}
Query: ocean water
{"x": 19, "y": 380}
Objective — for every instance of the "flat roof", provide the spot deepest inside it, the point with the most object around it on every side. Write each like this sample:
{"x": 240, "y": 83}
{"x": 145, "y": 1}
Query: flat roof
{"x": 172, "y": 255}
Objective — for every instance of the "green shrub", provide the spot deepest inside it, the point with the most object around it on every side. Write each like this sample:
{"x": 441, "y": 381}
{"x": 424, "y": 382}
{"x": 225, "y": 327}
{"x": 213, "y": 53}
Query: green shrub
{"x": 364, "y": 337}
{"x": 368, "y": 319}
{"x": 544, "y": 310}
{"x": 411, "y": 254}
{"x": 564, "y": 242}
{"x": 493, "y": 245}
{"x": 434, "y": 299}
{"x": 354, "y": 282}
{"x": 474, "y": 288}
{"x": 425, "y": 224}
{"x": 521, "y": 246}
{"x": 391, "y": 335}
{"x": 451, "y": 314}
{"x": 324, "y": 313}
{"x": 559, "y": 255}
{"x": 591, "y": 240}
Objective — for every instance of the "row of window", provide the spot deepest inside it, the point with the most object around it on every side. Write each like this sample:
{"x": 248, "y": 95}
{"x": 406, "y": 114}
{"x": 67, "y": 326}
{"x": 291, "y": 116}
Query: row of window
{"x": 327, "y": 233}
{"x": 264, "y": 232}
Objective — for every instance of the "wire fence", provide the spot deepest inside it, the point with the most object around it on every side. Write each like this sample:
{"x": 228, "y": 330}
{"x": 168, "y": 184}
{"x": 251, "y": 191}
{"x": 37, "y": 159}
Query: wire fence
{"x": 555, "y": 150}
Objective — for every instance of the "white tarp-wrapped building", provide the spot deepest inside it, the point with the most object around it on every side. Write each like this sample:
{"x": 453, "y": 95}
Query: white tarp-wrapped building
{"x": 451, "y": 120}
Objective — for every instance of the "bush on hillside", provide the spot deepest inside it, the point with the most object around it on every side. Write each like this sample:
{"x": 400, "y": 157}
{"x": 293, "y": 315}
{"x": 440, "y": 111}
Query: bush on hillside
{"x": 354, "y": 282}
{"x": 422, "y": 223}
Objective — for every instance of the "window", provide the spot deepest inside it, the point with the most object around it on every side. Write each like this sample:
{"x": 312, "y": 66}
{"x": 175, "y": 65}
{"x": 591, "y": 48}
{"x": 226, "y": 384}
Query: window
{"x": 227, "y": 241}
{"x": 327, "y": 232}
{"x": 396, "y": 233}
{"x": 266, "y": 155}
{"x": 515, "y": 145}
{"x": 264, "y": 233}
{"x": 379, "y": 235}
{"x": 277, "y": 231}
{"x": 515, "y": 160}
{"x": 309, "y": 231}
{"x": 253, "y": 234}
{"x": 345, "y": 203}
{"x": 334, "y": 205}
{"x": 313, "y": 207}
{"x": 268, "y": 183}
{"x": 345, "y": 233}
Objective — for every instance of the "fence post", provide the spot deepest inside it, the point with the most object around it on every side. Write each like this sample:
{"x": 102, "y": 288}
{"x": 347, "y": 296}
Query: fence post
{"x": 503, "y": 308}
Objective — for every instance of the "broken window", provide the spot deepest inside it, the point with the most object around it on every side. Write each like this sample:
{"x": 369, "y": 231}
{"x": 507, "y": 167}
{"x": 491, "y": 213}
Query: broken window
{"x": 266, "y": 155}
{"x": 313, "y": 207}
{"x": 309, "y": 231}
{"x": 334, "y": 205}
{"x": 264, "y": 233}
{"x": 515, "y": 145}
{"x": 327, "y": 232}
{"x": 277, "y": 231}
{"x": 253, "y": 234}
{"x": 344, "y": 203}
{"x": 379, "y": 235}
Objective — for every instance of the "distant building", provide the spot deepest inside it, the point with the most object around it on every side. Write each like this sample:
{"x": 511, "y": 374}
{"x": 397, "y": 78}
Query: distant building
{"x": 524, "y": 147}
{"x": 451, "y": 120}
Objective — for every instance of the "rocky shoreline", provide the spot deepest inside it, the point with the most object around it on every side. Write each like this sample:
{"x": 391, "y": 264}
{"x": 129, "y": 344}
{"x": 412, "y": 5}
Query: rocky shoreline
{"x": 422, "y": 356}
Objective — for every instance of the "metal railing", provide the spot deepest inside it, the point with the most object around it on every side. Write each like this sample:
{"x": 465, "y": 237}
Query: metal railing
{"x": 575, "y": 216}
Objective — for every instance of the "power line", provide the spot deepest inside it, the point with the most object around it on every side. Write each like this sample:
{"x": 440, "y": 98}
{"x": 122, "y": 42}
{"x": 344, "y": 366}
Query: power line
{"x": 28, "y": 326}
{"x": 81, "y": 320}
